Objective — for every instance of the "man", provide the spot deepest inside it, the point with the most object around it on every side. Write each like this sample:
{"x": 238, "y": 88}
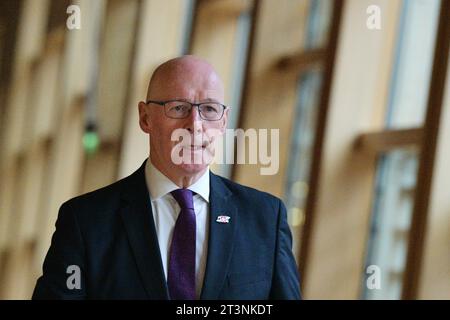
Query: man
{"x": 173, "y": 229}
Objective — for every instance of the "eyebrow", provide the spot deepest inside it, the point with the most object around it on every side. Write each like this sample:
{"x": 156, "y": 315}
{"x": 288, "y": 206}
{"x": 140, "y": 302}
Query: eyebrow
{"x": 205, "y": 100}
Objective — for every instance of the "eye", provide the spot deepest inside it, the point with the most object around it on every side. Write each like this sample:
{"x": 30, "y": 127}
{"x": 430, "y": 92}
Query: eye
{"x": 210, "y": 108}
{"x": 179, "y": 108}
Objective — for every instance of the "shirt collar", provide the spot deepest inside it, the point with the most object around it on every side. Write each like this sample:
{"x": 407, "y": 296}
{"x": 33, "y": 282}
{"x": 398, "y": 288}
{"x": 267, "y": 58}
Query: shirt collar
{"x": 159, "y": 185}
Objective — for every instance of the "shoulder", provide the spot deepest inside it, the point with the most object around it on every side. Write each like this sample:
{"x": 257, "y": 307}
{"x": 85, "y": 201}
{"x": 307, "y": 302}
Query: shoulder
{"x": 101, "y": 203}
{"x": 251, "y": 196}
{"x": 108, "y": 198}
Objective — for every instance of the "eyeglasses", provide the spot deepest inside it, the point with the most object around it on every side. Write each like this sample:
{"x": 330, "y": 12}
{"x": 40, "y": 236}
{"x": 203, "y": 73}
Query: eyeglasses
{"x": 178, "y": 109}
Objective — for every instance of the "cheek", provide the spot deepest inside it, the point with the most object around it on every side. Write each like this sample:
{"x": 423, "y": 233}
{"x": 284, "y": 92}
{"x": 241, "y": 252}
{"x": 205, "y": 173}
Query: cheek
{"x": 165, "y": 138}
{"x": 161, "y": 134}
{"x": 214, "y": 131}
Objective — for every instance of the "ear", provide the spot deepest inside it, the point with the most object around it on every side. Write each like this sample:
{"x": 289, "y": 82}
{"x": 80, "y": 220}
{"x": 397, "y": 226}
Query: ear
{"x": 224, "y": 120}
{"x": 144, "y": 117}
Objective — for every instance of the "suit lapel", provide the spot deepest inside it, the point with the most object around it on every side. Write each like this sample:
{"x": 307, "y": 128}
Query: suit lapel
{"x": 221, "y": 235}
{"x": 138, "y": 220}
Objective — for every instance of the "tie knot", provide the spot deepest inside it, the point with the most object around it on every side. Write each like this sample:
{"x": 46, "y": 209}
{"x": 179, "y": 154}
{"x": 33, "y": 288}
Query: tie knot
{"x": 184, "y": 198}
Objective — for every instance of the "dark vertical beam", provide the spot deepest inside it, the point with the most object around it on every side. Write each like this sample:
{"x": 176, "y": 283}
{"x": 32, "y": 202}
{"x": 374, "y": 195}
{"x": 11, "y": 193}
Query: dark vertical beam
{"x": 246, "y": 81}
{"x": 9, "y": 11}
{"x": 427, "y": 155}
{"x": 333, "y": 40}
{"x": 127, "y": 95}
{"x": 57, "y": 15}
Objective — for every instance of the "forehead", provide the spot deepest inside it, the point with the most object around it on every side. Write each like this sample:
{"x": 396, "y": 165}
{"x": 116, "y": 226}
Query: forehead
{"x": 187, "y": 82}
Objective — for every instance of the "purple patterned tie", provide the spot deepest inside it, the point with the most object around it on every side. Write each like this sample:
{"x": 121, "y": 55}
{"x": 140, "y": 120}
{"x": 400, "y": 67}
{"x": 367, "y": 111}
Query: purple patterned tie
{"x": 181, "y": 275}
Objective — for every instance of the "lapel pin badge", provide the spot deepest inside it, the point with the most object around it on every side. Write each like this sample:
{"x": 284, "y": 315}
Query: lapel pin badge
{"x": 223, "y": 219}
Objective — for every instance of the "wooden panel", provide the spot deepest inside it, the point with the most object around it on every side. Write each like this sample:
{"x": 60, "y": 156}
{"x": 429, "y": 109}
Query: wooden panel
{"x": 32, "y": 175}
{"x": 302, "y": 60}
{"x": 45, "y": 91}
{"x": 18, "y": 118}
{"x": 152, "y": 48}
{"x": 387, "y": 140}
{"x": 215, "y": 37}
{"x": 42, "y": 92}
{"x": 9, "y": 11}
{"x": 17, "y": 284}
{"x": 57, "y": 16}
{"x": 436, "y": 258}
{"x": 79, "y": 57}
{"x": 427, "y": 156}
{"x": 4, "y": 257}
{"x": 226, "y": 7}
{"x": 64, "y": 172}
{"x": 66, "y": 154}
{"x": 115, "y": 61}
{"x": 5, "y": 205}
{"x": 44, "y": 88}
{"x": 216, "y": 40}
{"x": 29, "y": 45}
{"x": 320, "y": 124}
{"x": 113, "y": 85}
{"x": 360, "y": 85}
{"x": 8, "y": 206}
{"x": 100, "y": 169}
{"x": 271, "y": 92}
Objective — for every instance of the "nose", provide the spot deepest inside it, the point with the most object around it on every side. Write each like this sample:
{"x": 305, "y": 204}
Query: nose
{"x": 194, "y": 121}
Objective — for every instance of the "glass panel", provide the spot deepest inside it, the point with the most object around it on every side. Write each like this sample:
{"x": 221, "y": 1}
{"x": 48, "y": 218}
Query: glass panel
{"x": 304, "y": 127}
{"x": 244, "y": 23}
{"x": 186, "y": 25}
{"x": 319, "y": 20}
{"x": 413, "y": 63}
{"x": 397, "y": 170}
{"x": 391, "y": 218}
{"x": 302, "y": 144}
{"x": 243, "y": 27}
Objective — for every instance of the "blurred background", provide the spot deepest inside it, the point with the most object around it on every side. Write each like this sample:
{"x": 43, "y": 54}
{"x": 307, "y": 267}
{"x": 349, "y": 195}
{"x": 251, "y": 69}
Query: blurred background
{"x": 357, "y": 88}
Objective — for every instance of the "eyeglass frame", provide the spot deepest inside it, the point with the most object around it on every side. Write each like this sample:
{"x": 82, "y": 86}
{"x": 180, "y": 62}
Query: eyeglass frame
{"x": 163, "y": 103}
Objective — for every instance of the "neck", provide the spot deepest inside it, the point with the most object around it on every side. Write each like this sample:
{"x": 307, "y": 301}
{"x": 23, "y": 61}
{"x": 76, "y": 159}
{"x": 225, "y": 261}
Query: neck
{"x": 177, "y": 176}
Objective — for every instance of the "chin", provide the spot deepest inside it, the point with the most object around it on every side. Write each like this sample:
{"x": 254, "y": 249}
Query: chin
{"x": 193, "y": 168}
{"x": 195, "y": 161}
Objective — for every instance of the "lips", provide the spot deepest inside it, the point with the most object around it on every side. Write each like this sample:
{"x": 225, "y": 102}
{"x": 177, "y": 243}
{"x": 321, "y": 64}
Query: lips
{"x": 193, "y": 147}
{"x": 196, "y": 146}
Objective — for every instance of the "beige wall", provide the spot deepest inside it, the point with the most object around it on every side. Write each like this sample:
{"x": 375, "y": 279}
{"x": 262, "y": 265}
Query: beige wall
{"x": 358, "y": 100}
{"x": 434, "y": 280}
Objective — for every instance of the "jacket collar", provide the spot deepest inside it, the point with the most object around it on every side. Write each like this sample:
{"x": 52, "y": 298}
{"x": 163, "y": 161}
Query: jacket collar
{"x": 138, "y": 220}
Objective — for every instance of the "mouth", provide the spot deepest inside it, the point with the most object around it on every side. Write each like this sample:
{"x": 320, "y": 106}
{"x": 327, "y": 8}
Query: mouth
{"x": 198, "y": 147}
{"x": 195, "y": 147}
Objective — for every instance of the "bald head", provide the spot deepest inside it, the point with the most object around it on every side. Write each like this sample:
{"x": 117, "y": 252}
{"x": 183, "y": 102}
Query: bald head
{"x": 186, "y": 73}
{"x": 194, "y": 80}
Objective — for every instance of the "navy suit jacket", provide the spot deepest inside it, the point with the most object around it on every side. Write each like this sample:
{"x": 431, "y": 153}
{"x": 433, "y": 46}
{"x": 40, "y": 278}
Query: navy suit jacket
{"x": 110, "y": 235}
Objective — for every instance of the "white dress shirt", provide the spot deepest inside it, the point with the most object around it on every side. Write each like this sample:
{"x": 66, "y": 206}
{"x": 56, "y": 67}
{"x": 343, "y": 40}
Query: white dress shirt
{"x": 165, "y": 213}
